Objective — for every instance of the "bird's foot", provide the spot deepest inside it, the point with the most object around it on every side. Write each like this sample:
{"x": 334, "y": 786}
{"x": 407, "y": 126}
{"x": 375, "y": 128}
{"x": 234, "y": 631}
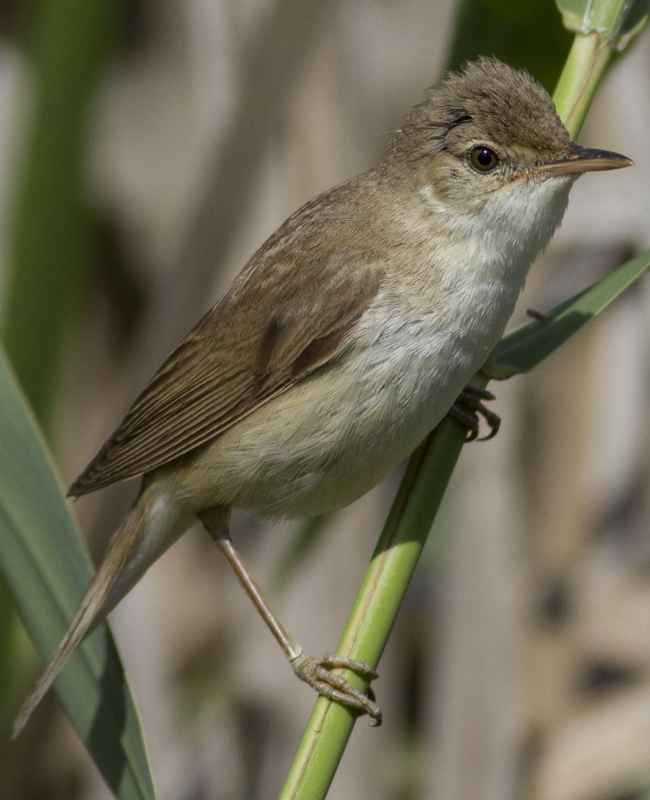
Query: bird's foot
{"x": 467, "y": 408}
{"x": 316, "y": 672}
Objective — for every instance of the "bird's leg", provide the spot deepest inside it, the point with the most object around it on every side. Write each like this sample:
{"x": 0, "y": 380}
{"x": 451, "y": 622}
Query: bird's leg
{"x": 314, "y": 671}
{"x": 467, "y": 407}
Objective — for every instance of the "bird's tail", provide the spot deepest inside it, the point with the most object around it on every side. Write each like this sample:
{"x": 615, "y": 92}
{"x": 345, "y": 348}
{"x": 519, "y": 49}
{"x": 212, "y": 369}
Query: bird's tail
{"x": 93, "y": 608}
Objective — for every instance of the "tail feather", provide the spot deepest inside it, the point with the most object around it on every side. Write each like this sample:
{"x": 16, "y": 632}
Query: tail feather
{"x": 91, "y": 611}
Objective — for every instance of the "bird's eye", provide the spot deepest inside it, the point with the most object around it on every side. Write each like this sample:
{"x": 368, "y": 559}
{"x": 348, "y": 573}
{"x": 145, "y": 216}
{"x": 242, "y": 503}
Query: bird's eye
{"x": 483, "y": 159}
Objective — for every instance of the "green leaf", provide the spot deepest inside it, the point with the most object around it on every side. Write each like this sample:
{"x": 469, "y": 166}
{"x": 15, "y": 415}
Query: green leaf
{"x": 48, "y": 570}
{"x": 616, "y": 21}
{"x": 526, "y": 346}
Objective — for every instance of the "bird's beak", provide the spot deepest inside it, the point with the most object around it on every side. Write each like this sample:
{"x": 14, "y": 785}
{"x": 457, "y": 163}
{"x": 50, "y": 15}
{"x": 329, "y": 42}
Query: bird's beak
{"x": 584, "y": 159}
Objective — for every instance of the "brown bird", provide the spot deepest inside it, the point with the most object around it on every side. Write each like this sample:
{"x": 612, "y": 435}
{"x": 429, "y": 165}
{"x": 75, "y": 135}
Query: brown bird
{"x": 344, "y": 341}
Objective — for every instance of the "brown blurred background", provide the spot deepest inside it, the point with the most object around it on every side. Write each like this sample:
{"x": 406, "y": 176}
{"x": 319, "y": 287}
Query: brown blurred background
{"x": 520, "y": 664}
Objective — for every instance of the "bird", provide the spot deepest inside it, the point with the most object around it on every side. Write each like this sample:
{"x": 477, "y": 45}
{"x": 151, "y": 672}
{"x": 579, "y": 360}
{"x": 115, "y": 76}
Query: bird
{"x": 347, "y": 337}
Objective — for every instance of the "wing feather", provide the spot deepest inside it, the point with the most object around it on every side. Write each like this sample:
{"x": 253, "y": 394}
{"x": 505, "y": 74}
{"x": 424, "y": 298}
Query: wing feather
{"x": 261, "y": 338}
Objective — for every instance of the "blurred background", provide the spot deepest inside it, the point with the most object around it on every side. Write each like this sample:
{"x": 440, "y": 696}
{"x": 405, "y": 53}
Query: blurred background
{"x": 146, "y": 150}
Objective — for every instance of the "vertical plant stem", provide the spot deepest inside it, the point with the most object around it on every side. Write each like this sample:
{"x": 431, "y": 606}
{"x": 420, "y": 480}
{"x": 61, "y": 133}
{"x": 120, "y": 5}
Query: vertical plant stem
{"x": 583, "y": 71}
{"x": 377, "y": 604}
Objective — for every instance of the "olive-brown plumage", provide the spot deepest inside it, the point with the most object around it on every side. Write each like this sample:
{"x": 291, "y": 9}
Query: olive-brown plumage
{"x": 255, "y": 344}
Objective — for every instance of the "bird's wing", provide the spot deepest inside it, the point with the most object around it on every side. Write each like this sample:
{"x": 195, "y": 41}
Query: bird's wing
{"x": 276, "y": 325}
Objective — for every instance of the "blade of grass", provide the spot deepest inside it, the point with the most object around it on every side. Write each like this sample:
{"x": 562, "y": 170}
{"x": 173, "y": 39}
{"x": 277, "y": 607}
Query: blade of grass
{"x": 48, "y": 571}
{"x": 528, "y": 345}
{"x": 67, "y": 43}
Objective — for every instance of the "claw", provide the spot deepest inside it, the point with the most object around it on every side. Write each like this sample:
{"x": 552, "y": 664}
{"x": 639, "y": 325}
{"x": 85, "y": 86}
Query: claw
{"x": 466, "y": 418}
{"x": 468, "y": 406}
{"x": 316, "y": 672}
